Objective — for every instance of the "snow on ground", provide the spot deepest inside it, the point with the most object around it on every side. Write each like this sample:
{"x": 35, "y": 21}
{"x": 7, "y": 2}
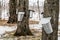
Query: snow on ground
{"x": 4, "y": 29}
{"x": 35, "y": 26}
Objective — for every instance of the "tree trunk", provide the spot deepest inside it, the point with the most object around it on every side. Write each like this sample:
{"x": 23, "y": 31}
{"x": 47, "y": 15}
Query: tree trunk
{"x": 12, "y": 11}
{"x": 51, "y": 9}
{"x": 23, "y": 26}
{"x": 0, "y": 10}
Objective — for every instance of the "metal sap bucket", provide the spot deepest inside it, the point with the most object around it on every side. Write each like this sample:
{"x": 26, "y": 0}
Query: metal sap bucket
{"x": 47, "y": 25}
{"x": 20, "y": 16}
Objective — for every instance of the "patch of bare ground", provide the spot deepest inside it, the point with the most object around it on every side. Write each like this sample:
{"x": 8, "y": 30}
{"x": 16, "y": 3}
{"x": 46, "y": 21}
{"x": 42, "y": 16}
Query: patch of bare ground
{"x": 4, "y": 23}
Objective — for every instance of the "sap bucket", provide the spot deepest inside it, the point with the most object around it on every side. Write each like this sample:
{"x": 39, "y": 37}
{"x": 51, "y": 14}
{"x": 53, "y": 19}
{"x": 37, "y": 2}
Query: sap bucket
{"x": 47, "y": 25}
{"x": 20, "y": 16}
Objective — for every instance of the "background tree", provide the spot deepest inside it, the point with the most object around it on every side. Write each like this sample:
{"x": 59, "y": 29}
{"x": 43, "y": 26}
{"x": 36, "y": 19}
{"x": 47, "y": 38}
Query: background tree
{"x": 12, "y": 11}
{"x": 0, "y": 9}
{"x": 23, "y": 26}
{"x": 51, "y": 9}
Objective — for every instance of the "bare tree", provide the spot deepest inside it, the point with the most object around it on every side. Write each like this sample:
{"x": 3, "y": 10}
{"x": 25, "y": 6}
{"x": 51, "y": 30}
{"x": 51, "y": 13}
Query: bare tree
{"x": 0, "y": 9}
{"x": 23, "y": 26}
{"x": 51, "y": 9}
{"x": 12, "y": 11}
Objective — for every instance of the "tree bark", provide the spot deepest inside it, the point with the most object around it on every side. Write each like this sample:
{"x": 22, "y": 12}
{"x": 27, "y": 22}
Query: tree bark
{"x": 12, "y": 11}
{"x": 23, "y": 26}
{"x": 0, "y": 10}
{"x": 51, "y": 9}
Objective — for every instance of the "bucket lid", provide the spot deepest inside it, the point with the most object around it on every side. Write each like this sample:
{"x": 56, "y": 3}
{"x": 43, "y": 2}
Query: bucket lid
{"x": 45, "y": 20}
{"x": 21, "y": 12}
